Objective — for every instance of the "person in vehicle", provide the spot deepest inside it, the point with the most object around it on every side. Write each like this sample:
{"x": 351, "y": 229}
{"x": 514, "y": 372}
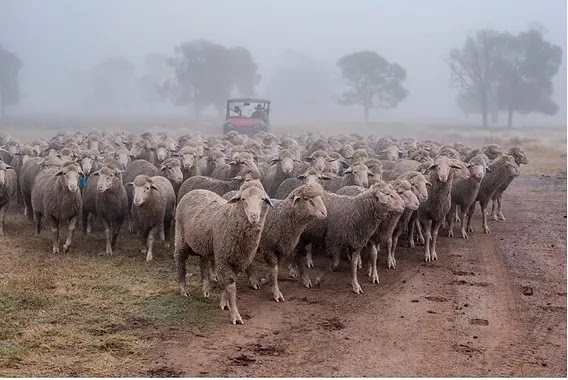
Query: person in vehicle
{"x": 237, "y": 110}
{"x": 258, "y": 113}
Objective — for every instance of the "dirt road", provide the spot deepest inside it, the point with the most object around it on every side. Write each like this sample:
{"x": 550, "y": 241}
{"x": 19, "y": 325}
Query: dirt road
{"x": 493, "y": 305}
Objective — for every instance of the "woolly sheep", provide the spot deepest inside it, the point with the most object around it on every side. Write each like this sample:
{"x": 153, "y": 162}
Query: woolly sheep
{"x": 8, "y": 181}
{"x": 56, "y": 196}
{"x": 312, "y": 174}
{"x": 30, "y": 169}
{"x": 224, "y": 232}
{"x": 282, "y": 168}
{"x": 357, "y": 174}
{"x": 152, "y": 210}
{"x": 520, "y": 159}
{"x": 239, "y": 162}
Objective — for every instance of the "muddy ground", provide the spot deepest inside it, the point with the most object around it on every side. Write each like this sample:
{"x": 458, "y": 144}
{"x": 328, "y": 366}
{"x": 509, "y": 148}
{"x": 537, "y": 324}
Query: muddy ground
{"x": 493, "y": 305}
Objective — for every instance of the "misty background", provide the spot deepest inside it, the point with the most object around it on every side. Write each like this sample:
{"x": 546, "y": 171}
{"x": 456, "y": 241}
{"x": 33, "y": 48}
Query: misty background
{"x": 60, "y": 44}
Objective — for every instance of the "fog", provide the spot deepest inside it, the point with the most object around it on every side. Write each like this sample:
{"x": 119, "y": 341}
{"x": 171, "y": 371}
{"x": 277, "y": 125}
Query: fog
{"x": 59, "y": 42}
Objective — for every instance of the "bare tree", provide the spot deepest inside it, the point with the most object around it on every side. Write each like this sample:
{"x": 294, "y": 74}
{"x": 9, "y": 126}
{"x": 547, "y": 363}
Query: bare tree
{"x": 10, "y": 66}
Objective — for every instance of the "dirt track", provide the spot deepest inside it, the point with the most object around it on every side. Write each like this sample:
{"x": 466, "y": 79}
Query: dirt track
{"x": 468, "y": 314}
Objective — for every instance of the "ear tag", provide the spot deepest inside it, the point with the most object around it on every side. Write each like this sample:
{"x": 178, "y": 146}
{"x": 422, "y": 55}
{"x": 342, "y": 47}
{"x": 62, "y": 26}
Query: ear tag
{"x": 83, "y": 182}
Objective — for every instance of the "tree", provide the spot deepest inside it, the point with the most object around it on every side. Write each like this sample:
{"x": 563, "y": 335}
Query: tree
{"x": 10, "y": 66}
{"x": 206, "y": 73}
{"x": 155, "y": 75}
{"x": 524, "y": 74}
{"x": 374, "y": 82}
{"x": 111, "y": 83}
{"x": 473, "y": 67}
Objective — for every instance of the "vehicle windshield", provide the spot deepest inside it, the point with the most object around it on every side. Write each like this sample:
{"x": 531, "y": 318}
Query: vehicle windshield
{"x": 251, "y": 110}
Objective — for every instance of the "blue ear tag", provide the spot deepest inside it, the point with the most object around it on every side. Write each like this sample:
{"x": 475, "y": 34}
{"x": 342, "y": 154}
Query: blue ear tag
{"x": 83, "y": 182}
{"x": 344, "y": 165}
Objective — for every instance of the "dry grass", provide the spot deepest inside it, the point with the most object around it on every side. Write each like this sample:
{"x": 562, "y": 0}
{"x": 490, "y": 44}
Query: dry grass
{"x": 81, "y": 314}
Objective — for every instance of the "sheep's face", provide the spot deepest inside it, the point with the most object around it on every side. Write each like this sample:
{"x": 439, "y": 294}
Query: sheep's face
{"x": 219, "y": 159}
{"x": 419, "y": 188}
{"x": 286, "y": 161}
{"x": 187, "y": 160}
{"x": 66, "y": 155}
{"x": 460, "y": 170}
{"x": 13, "y": 149}
{"x": 141, "y": 191}
{"x": 172, "y": 171}
{"x": 70, "y": 175}
{"x": 477, "y": 171}
{"x": 123, "y": 158}
{"x": 107, "y": 177}
{"x": 333, "y": 166}
{"x": 313, "y": 205}
{"x": 392, "y": 153}
{"x": 251, "y": 199}
{"x": 395, "y": 202}
{"x": 318, "y": 160}
{"x": 347, "y": 151}
{"x": 520, "y": 156}
{"x": 360, "y": 174}
{"x": 37, "y": 149}
{"x": 162, "y": 153}
{"x": 137, "y": 149}
{"x": 3, "y": 169}
{"x": 410, "y": 200}
{"x": 441, "y": 169}
{"x": 87, "y": 164}
{"x": 94, "y": 144}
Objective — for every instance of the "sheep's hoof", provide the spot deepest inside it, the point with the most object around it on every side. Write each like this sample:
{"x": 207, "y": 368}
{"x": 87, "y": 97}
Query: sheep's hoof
{"x": 370, "y": 272}
{"x": 494, "y": 217}
{"x": 434, "y": 256}
{"x": 263, "y": 281}
{"x": 66, "y": 248}
{"x": 224, "y": 305}
{"x": 391, "y": 264}
{"x": 206, "y": 294}
{"x": 236, "y": 319}
{"x": 501, "y": 217}
{"x": 56, "y": 250}
{"x": 464, "y": 235}
{"x": 277, "y": 295}
{"x": 292, "y": 272}
{"x": 254, "y": 283}
{"x": 184, "y": 293}
{"x": 308, "y": 283}
{"x": 143, "y": 250}
{"x": 310, "y": 264}
{"x": 149, "y": 257}
{"x": 427, "y": 258}
{"x": 411, "y": 244}
{"x": 167, "y": 245}
{"x": 450, "y": 233}
{"x": 375, "y": 278}
{"x": 470, "y": 229}
{"x": 357, "y": 289}
{"x": 486, "y": 230}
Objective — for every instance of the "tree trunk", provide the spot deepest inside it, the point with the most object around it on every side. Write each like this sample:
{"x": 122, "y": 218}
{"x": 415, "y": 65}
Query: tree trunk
{"x": 366, "y": 114}
{"x": 2, "y": 106}
{"x": 483, "y": 104}
{"x": 510, "y": 117}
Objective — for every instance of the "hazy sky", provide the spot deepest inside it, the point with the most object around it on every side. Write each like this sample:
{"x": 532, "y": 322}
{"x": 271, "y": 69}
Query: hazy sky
{"x": 56, "y": 37}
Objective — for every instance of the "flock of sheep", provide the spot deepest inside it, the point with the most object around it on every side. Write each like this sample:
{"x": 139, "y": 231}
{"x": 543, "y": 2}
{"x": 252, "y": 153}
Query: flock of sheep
{"x": 229, "y": 198}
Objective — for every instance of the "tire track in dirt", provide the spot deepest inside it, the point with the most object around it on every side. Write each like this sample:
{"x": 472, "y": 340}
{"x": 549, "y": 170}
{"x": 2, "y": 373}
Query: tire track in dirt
{"x": 464, "y": 315}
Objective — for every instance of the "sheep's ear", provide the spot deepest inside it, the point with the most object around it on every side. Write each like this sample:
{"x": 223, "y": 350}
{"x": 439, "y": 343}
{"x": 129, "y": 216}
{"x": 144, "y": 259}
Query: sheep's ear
{"x": 296, "y": 198}
{"x": 301, "y": 176}
{"x": 382, "y": 197}
{"x": 98, "y": 172}
{"x": 432, "y": 167}
{"x": 325, "y": 177}
{"x": 469, "y": 166}
{"x": 275, "y": 160}
{"x": 348, "y": 170}
{"x": 130, "y": 184}
{"x": 370, "y": 173}
{"x": 269, "y": 202}
{"x": 233, "y": 163}
{"x": 82, "y": 174}
{"x": 237, "y": 178}
{"x": 59, "y": 173}
{"x": 154, "y": 186}
{"x": 7, "y": 167}
{"x": 235, "y": 198}
{"x": 308, "y": 159}
{"x": 174, "y": 154}
{"x": 488, "y": 169}
{"x": 455, "y": 167}
{"x": 344, "y": 165}
{"x": 428, "y": 183}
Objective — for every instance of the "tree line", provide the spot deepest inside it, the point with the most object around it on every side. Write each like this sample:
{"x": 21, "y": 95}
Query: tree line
{"x": 494, "y": 71}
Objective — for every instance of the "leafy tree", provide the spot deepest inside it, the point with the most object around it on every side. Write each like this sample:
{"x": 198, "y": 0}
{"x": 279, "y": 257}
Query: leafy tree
{"x": 111, "y": 82}
{"x": 524, "y": 74}
{"x": 373, "y": 81}
{"x": 151, "y": 84}
{"x": 206, "y": 73}
{"x": 473, "y": 67}
{"x": 10, "y": 66}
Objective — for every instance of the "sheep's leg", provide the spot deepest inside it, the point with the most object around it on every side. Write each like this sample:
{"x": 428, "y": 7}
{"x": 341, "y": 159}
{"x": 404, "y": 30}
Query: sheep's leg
{"x": 292, "y": 269}
{"x": 420, "y": 234}
{"x": 355, "y": 257}
{"x": 456, "y": 216}
{"x": 162, "y": 234}
{"x": 273, "y": 262}
{"x": 373, "y": 255}
{"x": 411, "y": 229}
{"x": 229, "y": 295}
{"x": 37, "y": 220}
{"x": 463, "y": 224}
{"x": 451, "y": 217}
{"x": 181, "y": 254}
{"x": 115, "y": 231}
{"x": 395, "y": 237}
{"x": 29, "y": 208}
{"x": 224, "y": 304}
{"x": 435, "y": 228}
{"x": 494, "y": 208}
{"x": 205, "y": 284}
{"x": 335, "y": 253}
{"x": 55, "y": 234}
{"x": 108, "y": 236}
{"x": 484, "y": 217}
{"x": 89, "y": 227}
{"x": 470, "y": 217}
{"x": 309, "y": 258}
{"x": 2, "y": 218}
{"x": 70, "y": 230}
{"x": 167, "y": 232}
{"x": 212, "y": 272}
{"x": 252, "y": 277}
{"x": 150, "y": 243}
{"x": 300, "y": 259}
{"x": 84, "y": 218}
{"x": 366, "y": 257}
{"x": 500, "y": 215}
{"x": 427, "y": 224}
{"x": 233, "y": 310}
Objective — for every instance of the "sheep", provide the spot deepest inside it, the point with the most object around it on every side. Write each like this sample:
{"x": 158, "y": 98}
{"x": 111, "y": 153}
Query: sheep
{"x": 56, "y": 196}
{"x": 239, "y": 162}
{"x": 501, "y": 169}
{"x": 382, "y": 239}
{"x": 152, "y": 210}
{"x": 433, "y": 211}
{"x": 408, "y": 219}
{"x": 122, "y": 155}
{"x": 492, "y": 151}
{"x": 111, "y": 203}
{"x": 189, "y": 158}
{"x": 87, "y": 160}
{"x": 312, "y": 174}
{"x": 351, "y": 221}
{"x": 282, "y": 168}
{"x": 224, "y": 232}
{"x": 283, "y": 227}
{"x": 335, "y": 164}
{"x": 217, "y": 186}
{"x": 464, "y": 192}
{"x": 30, "y": 169}
{"x": 520, "y": 158}
{"x": 317, "y": 159}
{"x": 357, "y": 174}
{"x": 8, "y": 181}
{"x": 24, "y": 154}
{"x": 214, "y": 158}
{"x": 143, "y": 149}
